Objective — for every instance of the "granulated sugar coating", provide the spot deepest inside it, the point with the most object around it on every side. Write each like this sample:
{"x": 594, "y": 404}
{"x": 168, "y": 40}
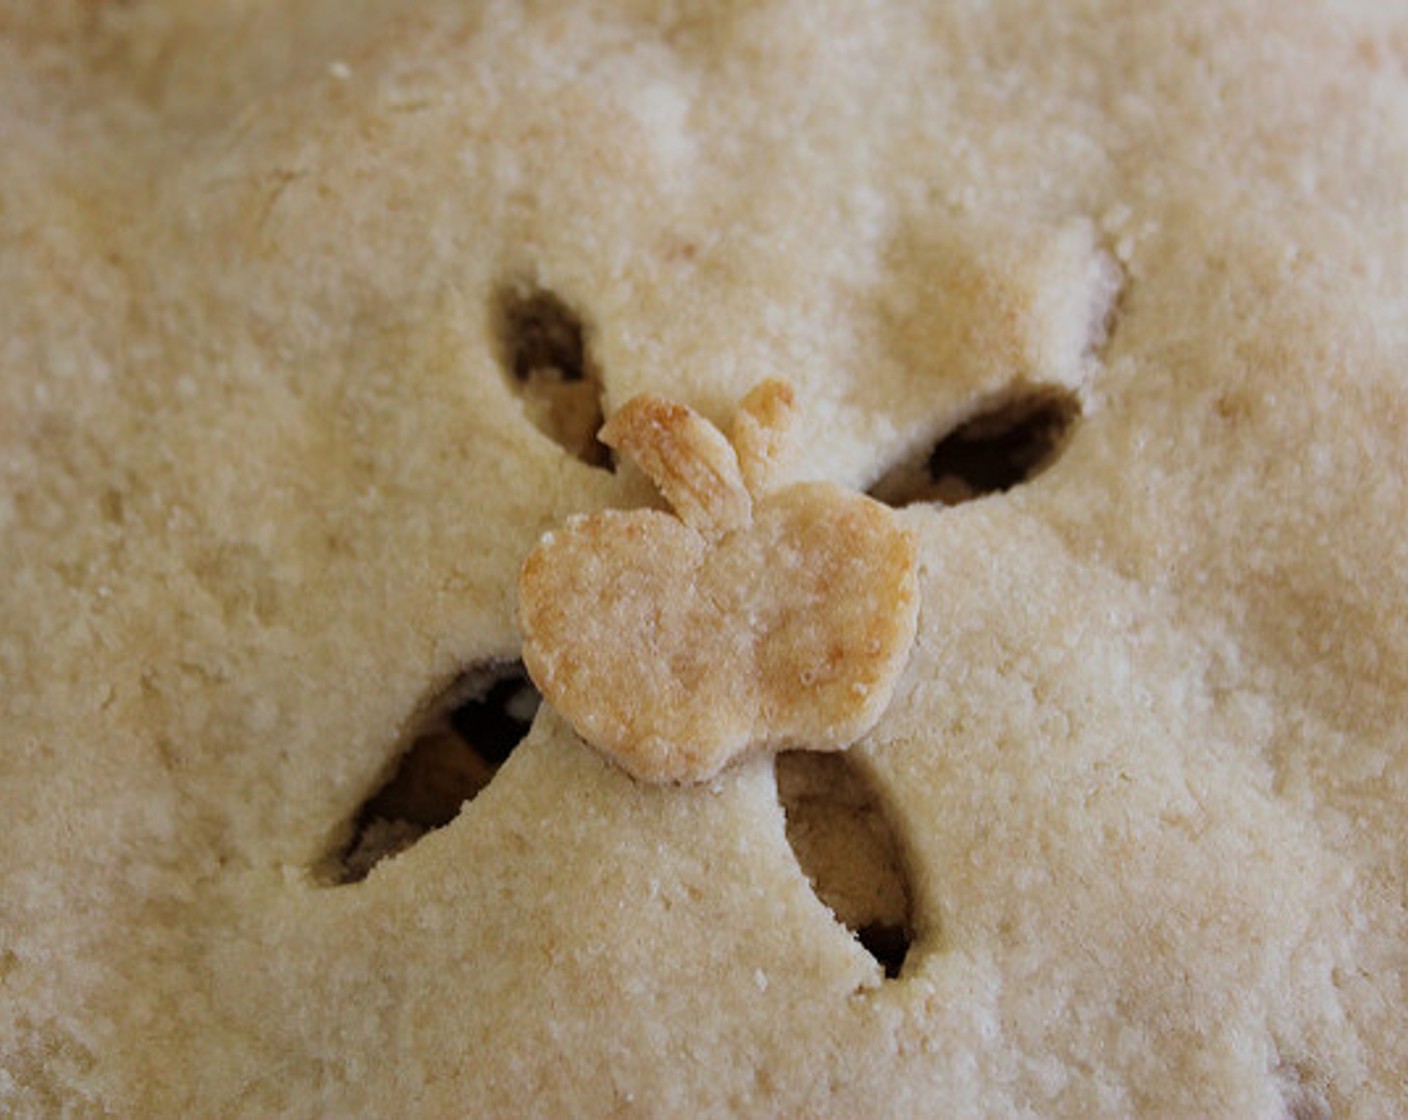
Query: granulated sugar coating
{"x": 310, "y": 314}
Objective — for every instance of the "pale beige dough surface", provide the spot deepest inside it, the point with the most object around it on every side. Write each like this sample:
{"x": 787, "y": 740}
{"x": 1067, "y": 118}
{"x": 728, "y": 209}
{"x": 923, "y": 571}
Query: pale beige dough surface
{"x": 265, "y": 489}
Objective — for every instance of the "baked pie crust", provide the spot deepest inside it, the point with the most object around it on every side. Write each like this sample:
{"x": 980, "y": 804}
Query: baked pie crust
{"x": 310, "y": 314}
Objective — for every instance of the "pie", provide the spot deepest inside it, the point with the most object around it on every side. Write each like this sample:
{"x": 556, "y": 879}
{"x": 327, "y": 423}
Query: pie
{"x": 311, "y": 316}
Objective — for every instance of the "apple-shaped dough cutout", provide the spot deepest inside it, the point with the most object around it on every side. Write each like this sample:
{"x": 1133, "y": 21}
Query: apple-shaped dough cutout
{"x": 752, "y": 617}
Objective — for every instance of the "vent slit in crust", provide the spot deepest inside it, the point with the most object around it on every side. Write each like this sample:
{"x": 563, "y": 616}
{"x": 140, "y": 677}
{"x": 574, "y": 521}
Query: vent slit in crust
{"x": 454, "y": 755}
{"x": 998, "y": 449}
{"x": 847, "y": 848}
{"x": 546, "y": 357}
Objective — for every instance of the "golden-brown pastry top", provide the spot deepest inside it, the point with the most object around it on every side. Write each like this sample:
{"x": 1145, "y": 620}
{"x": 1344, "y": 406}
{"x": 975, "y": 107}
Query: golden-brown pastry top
{"x": 307, "y": 310}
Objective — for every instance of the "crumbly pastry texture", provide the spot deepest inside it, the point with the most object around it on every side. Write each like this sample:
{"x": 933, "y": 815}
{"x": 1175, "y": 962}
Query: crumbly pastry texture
{"x": 310, "y": 314}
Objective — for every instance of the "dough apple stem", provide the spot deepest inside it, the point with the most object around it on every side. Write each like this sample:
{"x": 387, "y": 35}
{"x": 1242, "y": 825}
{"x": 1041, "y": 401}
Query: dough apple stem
{"x": 709, "y": 480}
{"x": 763, "y": 435}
